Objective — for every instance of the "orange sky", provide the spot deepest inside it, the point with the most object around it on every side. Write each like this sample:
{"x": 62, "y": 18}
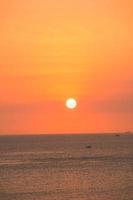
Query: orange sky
{"x": 56, "y": 49}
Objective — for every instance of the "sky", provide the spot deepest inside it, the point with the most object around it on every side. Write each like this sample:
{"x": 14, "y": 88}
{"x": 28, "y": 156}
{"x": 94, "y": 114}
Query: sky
{"x": 56, "y": 49}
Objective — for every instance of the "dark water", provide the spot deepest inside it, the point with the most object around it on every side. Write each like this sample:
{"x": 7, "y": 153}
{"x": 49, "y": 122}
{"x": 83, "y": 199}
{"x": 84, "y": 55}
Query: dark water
{"x": 60, "y": 167}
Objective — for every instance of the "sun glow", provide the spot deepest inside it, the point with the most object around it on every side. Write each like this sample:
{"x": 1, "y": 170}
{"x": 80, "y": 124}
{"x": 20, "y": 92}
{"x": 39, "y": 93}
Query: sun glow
{"x": 71, "y": 103}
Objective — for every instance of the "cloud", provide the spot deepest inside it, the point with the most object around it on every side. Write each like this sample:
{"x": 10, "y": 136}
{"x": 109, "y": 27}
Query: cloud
{"x": 114, "y": 105}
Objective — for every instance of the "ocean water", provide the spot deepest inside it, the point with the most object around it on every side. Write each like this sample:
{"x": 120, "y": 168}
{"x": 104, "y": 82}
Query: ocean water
{"x": 60, "y": 167}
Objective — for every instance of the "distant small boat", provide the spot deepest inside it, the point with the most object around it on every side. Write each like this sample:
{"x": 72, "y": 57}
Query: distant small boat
{"x": 88, "y": 146}
{"x": 117, "y": 135}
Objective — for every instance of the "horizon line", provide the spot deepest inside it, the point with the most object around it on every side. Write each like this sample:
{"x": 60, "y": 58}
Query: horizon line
{"x": 65, "y": 133}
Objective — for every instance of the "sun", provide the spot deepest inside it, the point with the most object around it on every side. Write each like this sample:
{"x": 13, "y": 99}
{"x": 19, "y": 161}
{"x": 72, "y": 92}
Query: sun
{"x": 71, "y": 103}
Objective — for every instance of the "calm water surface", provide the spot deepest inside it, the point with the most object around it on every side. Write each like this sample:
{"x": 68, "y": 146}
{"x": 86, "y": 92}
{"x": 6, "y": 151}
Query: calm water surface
{"x": 60, "y": 167}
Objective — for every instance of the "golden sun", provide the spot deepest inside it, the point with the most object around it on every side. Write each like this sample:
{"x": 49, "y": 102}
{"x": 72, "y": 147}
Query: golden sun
{"x": 71, "y": 103}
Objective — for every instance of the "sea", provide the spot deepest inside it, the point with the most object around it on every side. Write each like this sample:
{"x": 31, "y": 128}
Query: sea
{"x": 66, "y": 167}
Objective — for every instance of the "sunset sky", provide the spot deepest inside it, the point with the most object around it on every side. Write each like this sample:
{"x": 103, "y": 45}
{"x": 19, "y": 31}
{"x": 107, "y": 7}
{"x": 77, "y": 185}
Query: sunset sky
{"x": 56, "y": 49}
